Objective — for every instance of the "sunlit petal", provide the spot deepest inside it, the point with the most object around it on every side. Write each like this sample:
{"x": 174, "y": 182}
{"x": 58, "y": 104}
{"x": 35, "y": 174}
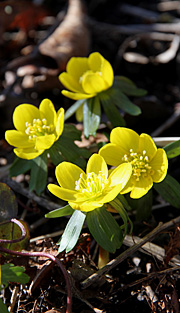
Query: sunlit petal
{"x": 93, "y": 83}
{"x": 112, "y": 154}
{"x": 141, "y": 187}
{"x": 98, "y": 63}
{"x": 77, "y": 66}
{"x": 48, "y": 111}
{"x": 44, "y": 142}
{"x": 27, "y": 153}
{"x": 24, "y": 113}
{"x": 97, "y": 164}
{"x": 60, "y": 122}
{"x": 18, "y": 139}
{"x": 67, "y": 174}
{"x": 146, "y": 143}
{"x": 70, "y": 82}
{"x": 62, "y": 193}
{"x": 121, "y": 175}
{"x": 159, "y": 165}
{"x": 125, "y": 138}
{"x": 76, "y": 96}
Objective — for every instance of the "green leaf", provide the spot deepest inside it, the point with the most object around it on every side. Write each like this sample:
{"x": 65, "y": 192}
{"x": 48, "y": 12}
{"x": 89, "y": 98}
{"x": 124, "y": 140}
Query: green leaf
{"x": 19, "y": 166}
{"x": 104, "y": 229}
{"x": 91, "y": 116}
{"x": 169, "y": 189}
{"x": 55, "y": 154}
{"x": 68, "y": 149}
{"x": 111, "y": 111}
{"x": 39, "y": 173}
{"x": 122, "y": 101}
{"x": 117, "y": 204}
{"x": 3, "y": 308}
{"x": 66, "y": 210}
{"x": 173, "y": 149}
{"x": 73, "y": 108}
{"x": 142, "y": 206}
{"x": 126, "y": 85}
{"x": 72, "y": 231}
{"x": 8, "y": 203}
{"x": 11, "y": 273}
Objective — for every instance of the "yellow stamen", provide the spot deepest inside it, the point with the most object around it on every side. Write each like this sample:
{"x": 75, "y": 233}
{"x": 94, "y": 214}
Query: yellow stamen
{"x": 91, "y": 184}
{"x": 38, "y": 128}
{"x": 140, "y": 164}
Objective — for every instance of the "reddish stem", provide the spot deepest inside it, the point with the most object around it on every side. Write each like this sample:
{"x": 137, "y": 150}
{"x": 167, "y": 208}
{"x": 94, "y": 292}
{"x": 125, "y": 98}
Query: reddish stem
{"x": 23, "y": 231}
{"x": 40, "y": 254}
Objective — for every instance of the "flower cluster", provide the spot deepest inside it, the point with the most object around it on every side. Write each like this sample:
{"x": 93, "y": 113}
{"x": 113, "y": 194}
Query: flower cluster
{"x": 136, "y": 163}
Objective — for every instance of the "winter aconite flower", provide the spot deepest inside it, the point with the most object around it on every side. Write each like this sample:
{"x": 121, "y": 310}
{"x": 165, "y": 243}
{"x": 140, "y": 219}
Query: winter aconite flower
{"x": 90, "y": 190}
{"x": 149, "y": 164}
{"x": 36, "y": 129}
{"x": 86, "y": 77}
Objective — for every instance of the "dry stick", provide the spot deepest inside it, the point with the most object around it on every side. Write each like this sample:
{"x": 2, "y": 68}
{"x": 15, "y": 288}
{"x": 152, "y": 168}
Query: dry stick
{"x": 94, "y": 277}
{"x": 168, "y": 123}
{"x": 17, "y": 187}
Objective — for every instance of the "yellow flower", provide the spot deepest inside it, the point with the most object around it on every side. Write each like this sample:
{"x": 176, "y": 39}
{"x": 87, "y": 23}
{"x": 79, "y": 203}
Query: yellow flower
{"x": 149, "y": 164}
{"x": 36, "y": 129}
{"x": 86, "y": 77}
{"x": 90, "y": 190}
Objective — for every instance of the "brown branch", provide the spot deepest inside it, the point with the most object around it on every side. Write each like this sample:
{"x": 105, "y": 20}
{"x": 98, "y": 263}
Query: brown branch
{"x": 113, "y": 263}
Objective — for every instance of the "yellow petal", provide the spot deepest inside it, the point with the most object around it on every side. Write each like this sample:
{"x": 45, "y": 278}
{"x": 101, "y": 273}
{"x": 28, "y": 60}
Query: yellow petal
{"x": 60, "y": 122}
{"x": 160, "y": 165}
{"x": 64, "y": 194}
{"x": 44, "y": 142}
{"x": 18, "y": 139}
{"x": 70, "y": 82}
{"x": 125, "y": 138}
{"x": 121, "y": 175}
{"x": 48, "y": 111}
{"x": 141, "y": 187}
{"x": 112, "y": 154}
{"x": 96, "y": 164}
{"x": 85, "y": 206}
{"x": 76, "y": 96}
{"x": 99, "y": 64}
{"x": 95, "y": 61}
{"x": 110, "y": 195}
{"x": 146, "y": 143}
{"x": 28, "y": 153}
{"x": 67, "y": 173}
{"x": 129, "y": 186}
{"x": 93, "y": 83}
{"x": 77, "y": 66}
{"x": 79, "y": 114}
{"x": 24, "y": 113}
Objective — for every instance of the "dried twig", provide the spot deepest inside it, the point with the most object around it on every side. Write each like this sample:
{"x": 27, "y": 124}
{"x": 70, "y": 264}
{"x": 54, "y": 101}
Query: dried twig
{"x": 161, "y": 227}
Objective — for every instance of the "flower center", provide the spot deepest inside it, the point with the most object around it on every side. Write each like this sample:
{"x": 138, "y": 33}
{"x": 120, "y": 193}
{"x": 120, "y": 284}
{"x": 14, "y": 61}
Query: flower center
{"x": 140, "y": 164}
{"x": 38, "y": 128}
{"x": 92, "y": 184}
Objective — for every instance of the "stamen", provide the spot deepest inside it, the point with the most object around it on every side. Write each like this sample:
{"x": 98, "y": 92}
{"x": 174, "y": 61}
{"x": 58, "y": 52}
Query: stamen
{"x": 38, "y": 128}
{"x": 140, "y": 164}
{"x": 92, "y": 184}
